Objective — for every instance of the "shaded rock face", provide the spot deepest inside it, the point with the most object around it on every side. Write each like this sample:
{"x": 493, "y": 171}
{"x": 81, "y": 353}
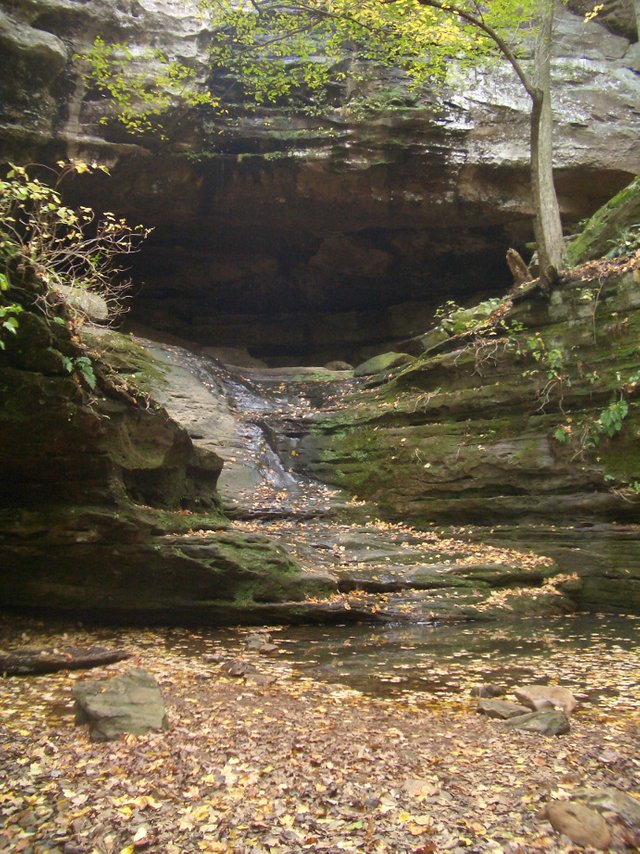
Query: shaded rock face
{"x": 59, "y": 446}
{"x": 100, "y": 495}
{"x": 466, "y": 434}
{"x": 313, "y": 239}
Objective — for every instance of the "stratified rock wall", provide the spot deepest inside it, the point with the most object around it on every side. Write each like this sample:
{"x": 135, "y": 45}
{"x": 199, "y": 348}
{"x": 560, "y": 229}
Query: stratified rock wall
{"x": 101, "y": 493}
{"x": 315, "y": 237}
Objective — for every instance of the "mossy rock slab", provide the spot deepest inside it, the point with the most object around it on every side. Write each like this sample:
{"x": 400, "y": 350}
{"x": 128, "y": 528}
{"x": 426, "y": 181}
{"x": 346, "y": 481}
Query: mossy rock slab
{"x": 380, "y": 364}
{"x": 112, "y": 573}
{"x": 605, "y": 225}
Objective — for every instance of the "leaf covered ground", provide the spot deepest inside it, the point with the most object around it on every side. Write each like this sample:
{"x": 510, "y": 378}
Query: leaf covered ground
{"x": 274, "y": 761}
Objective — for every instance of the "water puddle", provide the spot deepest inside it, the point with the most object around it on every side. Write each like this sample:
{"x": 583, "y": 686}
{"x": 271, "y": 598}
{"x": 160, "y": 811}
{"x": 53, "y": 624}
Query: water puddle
{"x": 593, "y": 655}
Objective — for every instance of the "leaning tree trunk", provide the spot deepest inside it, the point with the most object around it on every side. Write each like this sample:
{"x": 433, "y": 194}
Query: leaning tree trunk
{"x": 547, "y": 224}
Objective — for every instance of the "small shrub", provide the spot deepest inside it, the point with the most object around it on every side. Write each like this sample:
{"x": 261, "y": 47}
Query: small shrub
{"x": 611, "y": 418}
{"x": 64, "y": 248}
{"x": 627, "y": 242}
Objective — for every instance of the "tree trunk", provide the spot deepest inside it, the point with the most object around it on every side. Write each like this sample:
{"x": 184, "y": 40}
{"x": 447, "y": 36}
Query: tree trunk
{"x": 547, "y": 224}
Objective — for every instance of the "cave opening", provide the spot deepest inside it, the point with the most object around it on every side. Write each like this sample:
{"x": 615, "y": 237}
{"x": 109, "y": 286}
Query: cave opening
{"x": 307, "y": 299}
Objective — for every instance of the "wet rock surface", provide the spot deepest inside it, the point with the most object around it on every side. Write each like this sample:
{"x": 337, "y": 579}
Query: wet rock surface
{"x": 298, "y": 550}
{"x": 475, "y": 433}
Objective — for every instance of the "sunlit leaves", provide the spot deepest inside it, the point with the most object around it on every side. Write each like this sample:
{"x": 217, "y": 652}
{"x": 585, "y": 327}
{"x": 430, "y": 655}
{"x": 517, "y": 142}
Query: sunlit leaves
{"x": 64, "y": 247}
{"x": 143, "y": 85}
{"x": 282, "y": 50}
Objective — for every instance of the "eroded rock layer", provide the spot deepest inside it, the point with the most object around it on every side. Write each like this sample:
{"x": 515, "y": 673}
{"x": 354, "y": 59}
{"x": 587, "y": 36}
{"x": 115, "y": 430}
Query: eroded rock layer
{"x": 316, "y": 238}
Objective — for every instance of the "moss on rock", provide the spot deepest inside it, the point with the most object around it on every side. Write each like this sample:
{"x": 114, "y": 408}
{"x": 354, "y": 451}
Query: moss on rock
{"x": 601, "y": 231}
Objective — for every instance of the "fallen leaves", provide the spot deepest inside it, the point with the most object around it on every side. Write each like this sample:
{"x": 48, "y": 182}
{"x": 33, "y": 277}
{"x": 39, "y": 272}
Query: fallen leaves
{"x": 290, "y": 766}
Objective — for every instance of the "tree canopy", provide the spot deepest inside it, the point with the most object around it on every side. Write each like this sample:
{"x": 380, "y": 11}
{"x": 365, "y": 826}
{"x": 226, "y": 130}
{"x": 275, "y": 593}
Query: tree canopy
{"x": 278, "y": 48}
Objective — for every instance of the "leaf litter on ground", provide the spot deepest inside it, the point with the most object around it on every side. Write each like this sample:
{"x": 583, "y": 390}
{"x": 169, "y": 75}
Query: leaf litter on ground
{"x": 290, "y": 763}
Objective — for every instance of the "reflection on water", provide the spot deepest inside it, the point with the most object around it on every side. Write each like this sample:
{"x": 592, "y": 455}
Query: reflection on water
{"x": 579, "y": 651}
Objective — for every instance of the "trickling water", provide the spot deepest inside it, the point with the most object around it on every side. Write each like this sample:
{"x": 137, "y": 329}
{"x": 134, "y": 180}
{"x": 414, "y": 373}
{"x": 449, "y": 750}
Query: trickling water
{"x": 235, "y": 412}
{"x": 254, "y": 418}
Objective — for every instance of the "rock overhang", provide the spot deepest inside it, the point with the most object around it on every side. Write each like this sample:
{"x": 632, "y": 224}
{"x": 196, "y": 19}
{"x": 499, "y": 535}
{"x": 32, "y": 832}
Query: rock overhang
{"x": 314, "y": 238}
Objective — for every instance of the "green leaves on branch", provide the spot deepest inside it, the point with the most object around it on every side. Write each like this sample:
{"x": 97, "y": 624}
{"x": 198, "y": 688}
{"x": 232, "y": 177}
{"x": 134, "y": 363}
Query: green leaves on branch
{"x": 278, "y": 50}
{"x": 82, "y": 364}
{"x": 611, "y": 418}
{"x": 65, "y": 249}
{"x": 143, "y": 85}
{"x": 8, "y": 313}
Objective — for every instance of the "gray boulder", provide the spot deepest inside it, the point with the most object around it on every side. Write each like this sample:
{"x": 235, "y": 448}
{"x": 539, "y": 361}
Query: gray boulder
{"x": 544, "y": 723}
{"x": 501, "y": 709}
{"x": 130, "y": 703}
{"x": 383, "y": 362}
{"x": 539, "y": 697}
{"x": 84, "y": 302}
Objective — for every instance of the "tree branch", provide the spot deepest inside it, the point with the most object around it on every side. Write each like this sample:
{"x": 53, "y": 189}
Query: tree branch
{"x": 496, "y": 38}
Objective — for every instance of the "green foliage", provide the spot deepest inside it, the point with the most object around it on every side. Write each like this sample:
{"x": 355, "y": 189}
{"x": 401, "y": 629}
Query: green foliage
{"x": 587, "y": 433}
{"x": 611, "y": 418}
{"x": 63, "y": 247}
{"x": 627, "y": 243}
{"x": 8, "y": 311}
{"x": 82, "y": 364}
{"x": 553, "y": 360}
{"x": 282, "y": 52}
{"x": 562, "y": 434}
{"x": 144, "y": 86}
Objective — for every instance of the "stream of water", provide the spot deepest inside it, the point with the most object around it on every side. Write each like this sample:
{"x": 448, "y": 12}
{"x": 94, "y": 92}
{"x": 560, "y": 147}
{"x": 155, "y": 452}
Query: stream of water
{"x": 239, "y": 413}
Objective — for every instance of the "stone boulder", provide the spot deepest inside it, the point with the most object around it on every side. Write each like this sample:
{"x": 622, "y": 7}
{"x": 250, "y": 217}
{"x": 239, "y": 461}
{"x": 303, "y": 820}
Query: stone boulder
{"x": 539, "y": 697}
{"x": 130, "y": 703}
{"x": 380, "y": 364}
{"x": 549, "y": 722}
{"x": 261, "y": 642}
{"x": 501, "y": 709}
{"x": 612, "y": 800}
{"x": 83, "y": 302}
{"x": 581, "y": 824}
